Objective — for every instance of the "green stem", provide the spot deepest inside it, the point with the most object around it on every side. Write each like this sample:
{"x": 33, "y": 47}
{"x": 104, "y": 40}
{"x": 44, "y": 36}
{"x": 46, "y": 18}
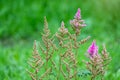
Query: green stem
{"x": 59, "y": 67}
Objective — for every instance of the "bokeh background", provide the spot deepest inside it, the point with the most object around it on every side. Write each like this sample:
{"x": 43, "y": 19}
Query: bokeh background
{"x": 21, "y": 22}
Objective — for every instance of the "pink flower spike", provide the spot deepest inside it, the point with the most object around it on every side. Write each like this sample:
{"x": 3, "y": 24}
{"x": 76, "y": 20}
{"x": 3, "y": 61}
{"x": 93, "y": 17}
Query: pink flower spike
{"x": 78, "y": 14}
{"x": 93, "y": 49}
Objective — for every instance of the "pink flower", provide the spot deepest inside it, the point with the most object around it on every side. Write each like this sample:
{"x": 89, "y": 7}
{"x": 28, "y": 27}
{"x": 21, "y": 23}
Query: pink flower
{"x": 77, "y": 22}
{"x": 78, "y": 14}
{"x": 93, "y": 49}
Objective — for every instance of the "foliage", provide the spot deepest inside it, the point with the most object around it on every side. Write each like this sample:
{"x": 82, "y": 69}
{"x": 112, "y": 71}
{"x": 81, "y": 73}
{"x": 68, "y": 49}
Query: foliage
{"x": 23, "y": 18}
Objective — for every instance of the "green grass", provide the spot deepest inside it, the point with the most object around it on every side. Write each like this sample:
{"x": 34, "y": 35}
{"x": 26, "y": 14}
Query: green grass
{"x": 13, "y": 61}
{"x": 21, "y": 21}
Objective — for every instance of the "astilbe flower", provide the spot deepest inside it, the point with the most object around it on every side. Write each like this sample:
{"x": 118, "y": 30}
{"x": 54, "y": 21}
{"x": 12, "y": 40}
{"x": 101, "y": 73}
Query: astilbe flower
{"x": 77, "y": 23}
{"x": 78, "y": 15}
{"x": 62, "y": 29}
{"x": 93, "y": 49}
{"x": 95, "y": 65}
{"x": 97, "y": 62}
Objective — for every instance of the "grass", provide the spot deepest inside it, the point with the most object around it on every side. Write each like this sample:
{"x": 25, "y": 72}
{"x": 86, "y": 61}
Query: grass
{"x": 13, "y": 62}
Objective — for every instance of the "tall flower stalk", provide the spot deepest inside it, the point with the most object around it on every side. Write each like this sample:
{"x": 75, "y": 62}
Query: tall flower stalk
{"x": 71, "y": 44}
{"x": 45, "y": 64}
{"x": 97, "y": 62}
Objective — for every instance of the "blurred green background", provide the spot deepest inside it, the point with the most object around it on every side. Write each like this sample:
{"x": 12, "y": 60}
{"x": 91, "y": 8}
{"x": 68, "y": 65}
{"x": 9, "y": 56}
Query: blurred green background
{"x": 21, "y": 22}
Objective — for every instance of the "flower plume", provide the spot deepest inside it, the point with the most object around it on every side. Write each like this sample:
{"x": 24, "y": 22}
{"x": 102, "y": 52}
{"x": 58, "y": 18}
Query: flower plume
{"x": 93, "y": 49}
{"x": 78, "y": 15}
{"x": 77, "y": 23}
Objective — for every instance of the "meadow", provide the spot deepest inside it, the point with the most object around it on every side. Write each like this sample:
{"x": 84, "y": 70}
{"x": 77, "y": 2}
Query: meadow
{"x": 21, "y": 22}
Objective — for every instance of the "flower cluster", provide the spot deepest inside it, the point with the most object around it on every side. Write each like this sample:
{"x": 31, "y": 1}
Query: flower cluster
{"x": 77, "y": 23}
{"x": 62, "y": 29}
{"x": 93, "y": 49}
{"x": 97, "y": 62}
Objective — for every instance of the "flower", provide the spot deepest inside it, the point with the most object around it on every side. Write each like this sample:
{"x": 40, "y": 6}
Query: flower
{"x": 77, "y": 23}
{"x": 78, "y": 15}
{"x": 62, "y": 29}
{"x": 93, "y": 49}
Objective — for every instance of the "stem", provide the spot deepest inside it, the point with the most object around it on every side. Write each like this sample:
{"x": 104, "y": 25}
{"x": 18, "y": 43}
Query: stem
{"x": 36, "y": 74}
{"x": 76, "y": 55}
{"x": 46, "y": 65}
{"x": 59, "y": 67}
